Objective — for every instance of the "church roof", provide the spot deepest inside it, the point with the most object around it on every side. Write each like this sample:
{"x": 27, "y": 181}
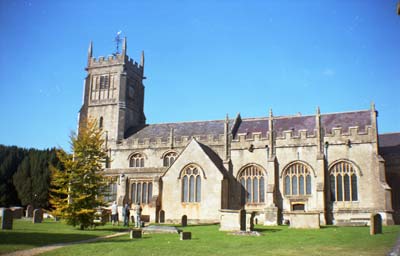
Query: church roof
{"x": 389, "y": 143}
{"x": 189, "y": 129}
{"x": 202, "y": 129}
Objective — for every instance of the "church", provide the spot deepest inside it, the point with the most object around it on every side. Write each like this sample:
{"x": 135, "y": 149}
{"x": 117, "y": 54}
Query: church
{"x": 327, "y": 164}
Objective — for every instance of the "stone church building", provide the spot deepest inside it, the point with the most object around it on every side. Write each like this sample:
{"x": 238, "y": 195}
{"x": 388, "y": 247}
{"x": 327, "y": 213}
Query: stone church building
{"x": 273, "y": 166}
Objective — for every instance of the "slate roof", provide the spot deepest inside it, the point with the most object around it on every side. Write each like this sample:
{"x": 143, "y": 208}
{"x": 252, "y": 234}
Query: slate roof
{"x": 346, "y": 120}
{"x": 251, "y": 125}
{"x": 202, "y": 128}
{"x": 389, "y": 144}
{"x": 294, "y": 123}
{"x": 389, "y": 139}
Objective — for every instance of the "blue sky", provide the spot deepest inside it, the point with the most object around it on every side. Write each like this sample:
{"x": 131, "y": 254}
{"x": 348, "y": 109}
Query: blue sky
{"x": 203, "y": 59}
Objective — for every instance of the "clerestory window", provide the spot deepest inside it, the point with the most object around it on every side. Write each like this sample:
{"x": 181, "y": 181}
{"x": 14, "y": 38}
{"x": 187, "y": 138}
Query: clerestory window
{"x": 136, "y": 160}
{"x": 169, "y": 159}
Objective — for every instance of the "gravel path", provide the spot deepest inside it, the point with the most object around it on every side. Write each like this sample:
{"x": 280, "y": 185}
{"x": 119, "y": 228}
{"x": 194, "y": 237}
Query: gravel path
{"x": 396, "y": 249}
{"x": 46, "y": 248}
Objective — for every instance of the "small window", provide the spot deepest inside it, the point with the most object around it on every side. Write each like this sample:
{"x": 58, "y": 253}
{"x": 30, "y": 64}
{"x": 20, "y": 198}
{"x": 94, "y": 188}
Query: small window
{"x": 298, "y": 207}
{"x": 136, "y": 160}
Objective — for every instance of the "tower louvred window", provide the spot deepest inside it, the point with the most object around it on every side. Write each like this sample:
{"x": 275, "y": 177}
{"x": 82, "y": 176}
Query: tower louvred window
{"x": 104, "y": 82}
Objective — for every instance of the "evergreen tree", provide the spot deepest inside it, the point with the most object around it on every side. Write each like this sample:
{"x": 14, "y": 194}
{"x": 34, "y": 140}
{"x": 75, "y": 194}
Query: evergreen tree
{"x": 32, "y": 178}
{"x": 78, "y": 185}
{"x": 10, "y": 158}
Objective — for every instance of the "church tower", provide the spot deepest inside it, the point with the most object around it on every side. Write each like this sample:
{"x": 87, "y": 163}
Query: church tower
{"x": 113, "y": 93}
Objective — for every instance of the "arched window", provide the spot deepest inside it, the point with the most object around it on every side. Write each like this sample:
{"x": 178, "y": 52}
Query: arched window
{"x": 252, "y": 181}
{"x": 297, "y": 180}
{"x": 191, "y": 184}
{"x": 111, "y": 189}
{"x": 343, "y": 182}
{"x": 169, "y": 159}
{"x": 136, "y": 160}
{"x": 141, "y": 192}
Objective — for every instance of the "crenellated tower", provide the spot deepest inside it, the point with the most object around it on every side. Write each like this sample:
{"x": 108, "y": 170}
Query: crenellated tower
{"x": 114, "y": 93}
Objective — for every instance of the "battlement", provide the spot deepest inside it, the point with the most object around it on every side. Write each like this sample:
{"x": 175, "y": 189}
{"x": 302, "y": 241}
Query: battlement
{"x": 178, "y": 142}
{"x": 113, "y": 60}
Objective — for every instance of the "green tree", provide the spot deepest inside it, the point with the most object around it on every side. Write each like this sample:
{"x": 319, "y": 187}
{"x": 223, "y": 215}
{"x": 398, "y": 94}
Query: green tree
{"x": 10, "y": 158}
{"x": 78, "y": 185}
{"x": 32, "y": 178}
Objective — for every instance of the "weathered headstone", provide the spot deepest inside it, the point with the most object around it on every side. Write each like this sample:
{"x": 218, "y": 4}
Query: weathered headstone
{"x": 242, "y": 220}
{"x": 17, "y": 212}
{"x": 186, "y": 235}
{"x": 162, "y": 216}
{"x": 7, "y": 219}
{"x": 29, "y": 211}
{"x": 135, "y": 233}
{"x": 376, "y": 224}
{"x": 37, "y": 216}
{"x": 184, "y": 221}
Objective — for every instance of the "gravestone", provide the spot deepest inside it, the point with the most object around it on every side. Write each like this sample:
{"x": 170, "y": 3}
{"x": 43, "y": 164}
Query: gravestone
{"x": 243, "y": 220}
{"x": 376, "y": 224}
{"x": 135, "y": 233}
{"x": 186, "y": 235}
{"x": 17, "y": 212}
{"x": 162, "y": 216}
{"x": 29, "y": 211}
{"x": 37, "y": 216}
{"x": 184, "y": 221}
{"x": 7, "y": 219}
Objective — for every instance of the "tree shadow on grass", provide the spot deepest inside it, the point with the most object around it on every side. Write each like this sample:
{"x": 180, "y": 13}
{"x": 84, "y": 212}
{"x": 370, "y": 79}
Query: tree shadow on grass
{"x": 39, "y": 239}
{"x": 267, "y": 230}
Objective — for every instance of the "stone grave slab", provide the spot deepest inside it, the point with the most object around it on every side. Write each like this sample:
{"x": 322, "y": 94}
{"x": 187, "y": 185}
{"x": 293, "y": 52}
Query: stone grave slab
{"x": 7, "y": 219}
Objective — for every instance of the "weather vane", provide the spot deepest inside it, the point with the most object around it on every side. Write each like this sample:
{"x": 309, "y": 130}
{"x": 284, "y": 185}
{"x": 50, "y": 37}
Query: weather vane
{"x": 117, "y": 41}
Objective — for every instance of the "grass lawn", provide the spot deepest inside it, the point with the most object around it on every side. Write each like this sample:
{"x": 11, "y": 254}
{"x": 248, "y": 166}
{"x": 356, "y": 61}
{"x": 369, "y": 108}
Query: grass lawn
{"x": 207, "y": 240}
{"x": 25, "y": 234}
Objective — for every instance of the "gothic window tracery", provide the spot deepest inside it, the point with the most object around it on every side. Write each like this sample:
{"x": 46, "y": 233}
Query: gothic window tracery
{"x": 343, "y": 182}
{"x": 191, "y": 184}
{"x": 252, "y": 182}
{"x": 297, "y": 180}
{"x": 169, "y": 159}
{"x": 141, "y": 192}
{"x": 136, "y": 160}
{"x": 111, "y": 190}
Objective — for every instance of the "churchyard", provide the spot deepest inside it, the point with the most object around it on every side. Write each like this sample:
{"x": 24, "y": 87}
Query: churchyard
{"x": 205, "y": 240}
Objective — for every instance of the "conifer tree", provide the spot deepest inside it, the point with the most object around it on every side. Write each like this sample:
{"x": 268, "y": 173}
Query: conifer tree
{"x": 78, "y": 185}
